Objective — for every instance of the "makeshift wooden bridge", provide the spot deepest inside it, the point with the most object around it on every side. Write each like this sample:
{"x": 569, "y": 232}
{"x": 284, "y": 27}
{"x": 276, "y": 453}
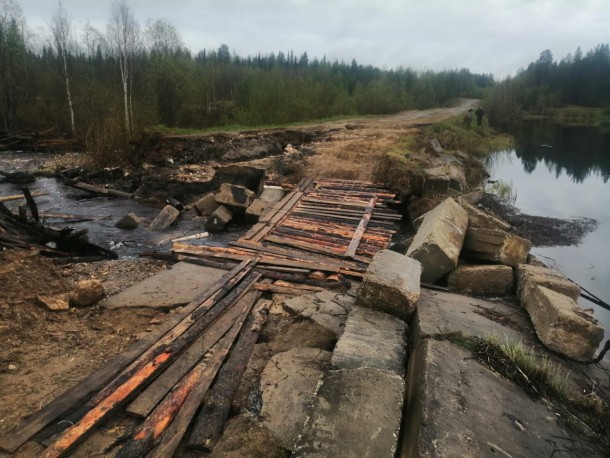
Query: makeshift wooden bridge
{"x": 184, "y": 375}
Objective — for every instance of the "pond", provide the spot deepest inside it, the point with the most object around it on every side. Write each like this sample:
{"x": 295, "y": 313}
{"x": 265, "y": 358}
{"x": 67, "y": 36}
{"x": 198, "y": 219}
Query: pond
{"x": 564, "y": 172}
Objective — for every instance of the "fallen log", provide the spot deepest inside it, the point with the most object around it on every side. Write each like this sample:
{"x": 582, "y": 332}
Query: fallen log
{"x": 353, "y": 246}
{"x": 20, "y": 196}
{"x": 99, "y": 190}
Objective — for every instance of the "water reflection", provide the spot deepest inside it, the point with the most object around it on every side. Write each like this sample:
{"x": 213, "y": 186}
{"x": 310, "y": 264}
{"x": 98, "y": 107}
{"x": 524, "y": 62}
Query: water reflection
{"x": 578, "y": 151}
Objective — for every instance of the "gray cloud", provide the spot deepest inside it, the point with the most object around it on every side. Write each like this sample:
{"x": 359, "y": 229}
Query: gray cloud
{"x": 492, "y": 36}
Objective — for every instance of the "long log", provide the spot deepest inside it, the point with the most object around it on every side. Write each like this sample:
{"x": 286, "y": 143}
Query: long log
{"x": 215, "y": 411}
{"x": 173, "y": 414}
{"x": 100, "y": 190}
{"x": 21, "y": 434}
{"x": 283, "y": 289}
{"x": 31, "y": 204}
{"x": 20, "y": 196}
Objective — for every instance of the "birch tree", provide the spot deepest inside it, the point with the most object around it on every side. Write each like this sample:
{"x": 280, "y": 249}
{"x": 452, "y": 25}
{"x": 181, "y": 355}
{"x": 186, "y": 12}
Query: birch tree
{"x": 62, "y": 39}
{"x": 123, "y": 37}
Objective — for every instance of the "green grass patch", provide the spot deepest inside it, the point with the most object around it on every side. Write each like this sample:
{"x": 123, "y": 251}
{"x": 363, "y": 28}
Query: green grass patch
{"x": 572, "y": 115}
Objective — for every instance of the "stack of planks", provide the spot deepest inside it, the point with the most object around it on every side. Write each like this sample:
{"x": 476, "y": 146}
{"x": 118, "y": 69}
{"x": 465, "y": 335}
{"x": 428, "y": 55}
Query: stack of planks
{"x": 201, "y": 350}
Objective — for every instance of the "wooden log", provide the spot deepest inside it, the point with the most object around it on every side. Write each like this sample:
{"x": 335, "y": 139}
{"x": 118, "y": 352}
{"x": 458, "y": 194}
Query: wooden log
{"x": 150, "y": 397}
{"x": 207, "y": 372}
{"x": 20, "y": 196}
{"x": 215, "y": 411}
{"x": 353, "y": 246}
{"x": 96, "y": 380}
{"x": 287, "y": 288}
{"x": 302, "y": 279}
{"x": 31, "y": 204}
{"x": 100, "y": 190}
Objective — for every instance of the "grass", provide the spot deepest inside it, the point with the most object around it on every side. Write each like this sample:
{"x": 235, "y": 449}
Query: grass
{"x": 503, "y": 189}
{"x": 542, "y": 378}
{"x": 573, "y": 115}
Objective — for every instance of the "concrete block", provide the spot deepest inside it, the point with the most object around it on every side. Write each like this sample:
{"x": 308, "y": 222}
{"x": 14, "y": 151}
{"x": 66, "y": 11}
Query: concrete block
{"x": 496, "y": 246}
{"x": 529, "y": 276}
{"x": 562, "y": 325}
{"x": 391, "y": 284}
{"x": 206, "y": 205}
{"x": 234, "y": 196}
{"x": 257, "y": 209}
{"x": 479, "y": 218}
{"x": 356, "y": 412}
{"x": 288, "y": 384}
{"x": 327, "y": 308}
{"x": 164, "y": 219}
{"x": 439, "y": 240}
{"x": 482, "y": 279}
{"x": 218, "y": 220}
{"x": 372, "y": 339}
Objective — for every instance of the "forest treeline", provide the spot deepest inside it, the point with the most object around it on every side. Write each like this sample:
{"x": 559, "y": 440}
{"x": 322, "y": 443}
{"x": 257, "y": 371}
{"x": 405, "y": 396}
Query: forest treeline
{"x": 103, "y": 84}
{"x": 577, "y": 79}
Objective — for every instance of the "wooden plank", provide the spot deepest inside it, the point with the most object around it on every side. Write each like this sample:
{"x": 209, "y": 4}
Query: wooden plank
{"x": 214, "y": 413}
{"x": 171, "y": 418}
{"x": 19, "y": 435}
{"x": 174, "y": 433}
{"x": 353, "y": 246}
{"x": 150, "y": 397}
{"x": 312, "y": 247}
{"x": 31, "y": 203}
{"x": 294, "y": 291}
{"x": 100, "y": 190}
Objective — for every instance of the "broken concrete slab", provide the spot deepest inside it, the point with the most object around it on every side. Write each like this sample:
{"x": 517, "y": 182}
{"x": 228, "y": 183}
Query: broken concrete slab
{"x": 327, "y": 308}
{"x": 206, "y": 205}
{"x": 496, "y": 246}
{"x": 562, "y": 325}
{"x": 356, "y": 412}
{"x": 164, "y": 219}
{"x": 236, "y": 198}
{"x": 129, "y": 221}
{"x": 439, "y": 240}
{"x": 457, "y": 407}
{"x": 479, "y": 218}
{"x": 168, "y": 288}
{"x": 436, "y": 181}
{"x": 391, "y": 284}
{"x": 218, "y": 220}
{"x": 444, "y": 313}
{"x": 529, "y": 276}
{"x": 257, "y": 209}
{"x": 471, "y": 198}
{"x": 288, "y": 384}
{"x": 87, "y": 293}
{"x": 374, "y": 340}
{"x": 486, "y": 279}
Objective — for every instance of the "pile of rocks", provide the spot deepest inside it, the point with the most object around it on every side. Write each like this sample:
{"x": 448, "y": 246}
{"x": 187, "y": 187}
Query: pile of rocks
{"x": 476, "y": 252}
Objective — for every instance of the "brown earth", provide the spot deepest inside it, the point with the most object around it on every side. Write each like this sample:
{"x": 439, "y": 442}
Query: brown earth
{"x": 43, "y": 353}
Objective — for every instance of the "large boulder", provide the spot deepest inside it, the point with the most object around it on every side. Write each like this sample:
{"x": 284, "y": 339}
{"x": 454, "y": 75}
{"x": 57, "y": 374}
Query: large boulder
{"x": 485, "y": 279}
{"x": 562, "y": 325}
{"x": 218, "y": 220}
{"x": 496, "y": 246}
{"x": 164, "y": 219}
{"x": 391, "y": 284}
{"x": 439, "y": 240}
{"x": 235, "y": 197}
{"x": 530, "y": 276}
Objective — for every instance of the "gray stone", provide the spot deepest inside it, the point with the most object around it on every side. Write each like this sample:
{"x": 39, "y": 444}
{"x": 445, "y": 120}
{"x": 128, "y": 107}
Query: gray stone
{"x": 529, "y": 276}
{"x": 326, "y": 308}
{"x": 206, "y": 205}
{"x": 129, "y": 221}
{"x": 257, "y": 209}
{"x": 87, "y": 293}
{"x": 562, "y": 325}
{"x": 372, "y": 339}
{"x": 235, "y": 197}
{"x": 288, "y": 383}
{"x": 168, "y": 288}
{"x": 164, "y": 219}
{"x": 485, "y": 279}
{"x": 496, "y": 246}
{"x": 471, "y": 198}
{"x": 438, "y": 241}
{"x": 252, "y": 178}
{"x": 391, "y": 284}
{"x": 272, "y": 195}
{"x": 534, "y": 261}
{"x": 218, "y": 220}
{"x": 479, "y": 218}
{"x": 55, "y": 303}
{"x": 456, "y": 407}
{"x": 356, "y": 413}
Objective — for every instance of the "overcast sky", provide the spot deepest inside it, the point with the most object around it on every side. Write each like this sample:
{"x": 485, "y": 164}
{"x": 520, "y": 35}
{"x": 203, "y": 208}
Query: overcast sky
{"x": 490, "y": 36}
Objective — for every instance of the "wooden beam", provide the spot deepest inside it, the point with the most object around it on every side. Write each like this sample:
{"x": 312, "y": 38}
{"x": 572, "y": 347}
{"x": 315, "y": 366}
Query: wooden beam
{"x": 353, "y": 246}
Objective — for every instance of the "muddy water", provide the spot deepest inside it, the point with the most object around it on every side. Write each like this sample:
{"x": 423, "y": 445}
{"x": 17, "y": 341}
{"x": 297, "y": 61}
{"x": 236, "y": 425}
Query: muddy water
{"x": 564, "y": 172}
{"x": 105, "y": 211}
